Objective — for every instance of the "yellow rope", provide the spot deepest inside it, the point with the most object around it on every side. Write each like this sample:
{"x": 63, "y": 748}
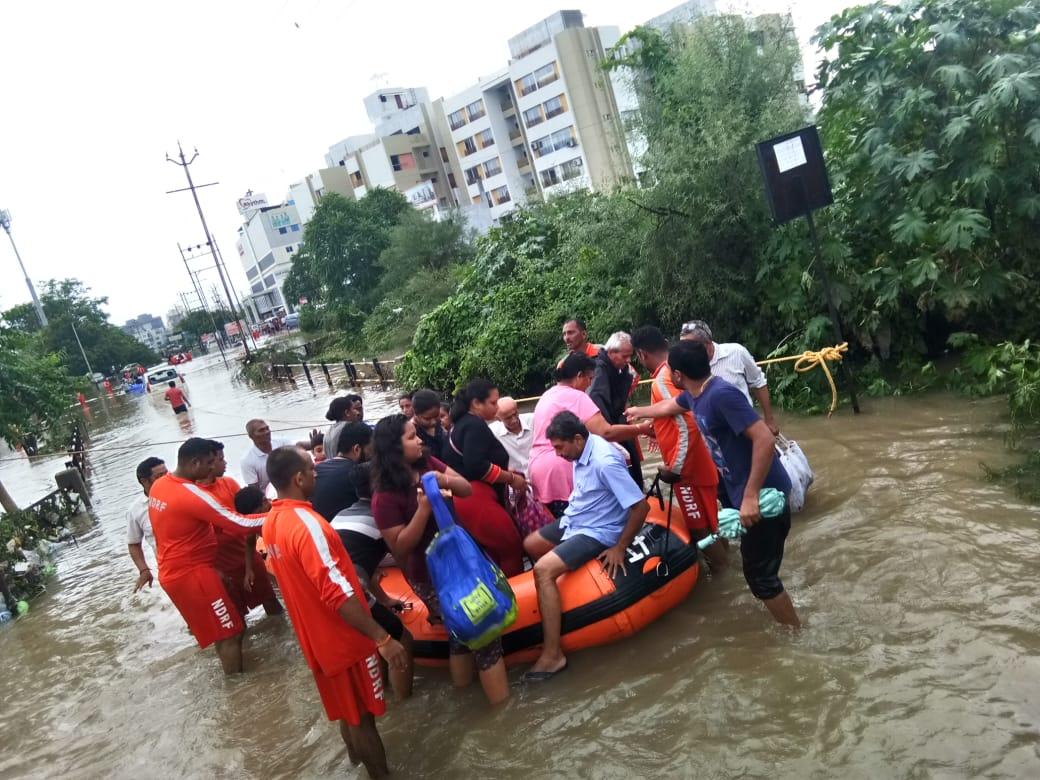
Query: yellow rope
{"x": 804, "y": 362}
{"x": 809, "y": 360}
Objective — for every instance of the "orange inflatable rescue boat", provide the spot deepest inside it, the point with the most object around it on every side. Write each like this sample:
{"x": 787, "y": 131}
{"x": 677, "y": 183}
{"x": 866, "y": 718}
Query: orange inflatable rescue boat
{"x": 662, "y": 570}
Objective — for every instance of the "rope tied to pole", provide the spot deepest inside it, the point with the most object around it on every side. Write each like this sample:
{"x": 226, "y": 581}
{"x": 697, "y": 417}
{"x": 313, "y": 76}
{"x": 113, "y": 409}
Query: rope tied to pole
{"x": 811, "y": 359}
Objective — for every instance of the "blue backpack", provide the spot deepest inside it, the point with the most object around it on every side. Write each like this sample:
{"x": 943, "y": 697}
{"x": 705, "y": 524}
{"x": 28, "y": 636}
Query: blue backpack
{"x": 477, "y": 603}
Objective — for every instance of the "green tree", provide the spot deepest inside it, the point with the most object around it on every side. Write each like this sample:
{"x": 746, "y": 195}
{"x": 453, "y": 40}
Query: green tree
{"x": 68, "y": 303}
{"x": 708, "y": 92}
{"x": 931, "y": 120}
{"x": 195, "y": 323}
{"x": 35, "y": 391}
{"x": 339, "y": 263}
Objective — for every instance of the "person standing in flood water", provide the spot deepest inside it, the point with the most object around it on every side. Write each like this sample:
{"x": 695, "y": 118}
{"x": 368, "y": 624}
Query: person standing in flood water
{"x": 329, "y": 610}
{"x": 138, "y": 526}
{"x": 741, "y": 445}
{"x": 183, "y": 517}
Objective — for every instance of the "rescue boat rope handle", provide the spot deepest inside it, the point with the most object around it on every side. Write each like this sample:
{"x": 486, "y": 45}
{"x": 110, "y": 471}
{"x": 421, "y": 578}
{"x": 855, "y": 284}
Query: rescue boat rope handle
{"x": 655, "y": 490}
{"x": 804, "y": 362}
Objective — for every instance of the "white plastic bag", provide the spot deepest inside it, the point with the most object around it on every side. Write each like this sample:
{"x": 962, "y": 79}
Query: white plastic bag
{"x": 798, "y": 469}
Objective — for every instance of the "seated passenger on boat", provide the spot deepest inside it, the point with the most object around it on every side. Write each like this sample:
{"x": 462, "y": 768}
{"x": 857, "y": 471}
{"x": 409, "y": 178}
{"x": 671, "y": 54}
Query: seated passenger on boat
{"x": 605, "y": 512}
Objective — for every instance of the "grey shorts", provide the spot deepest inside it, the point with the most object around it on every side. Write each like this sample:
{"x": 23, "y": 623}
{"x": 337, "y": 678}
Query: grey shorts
{"x": 575, "y": 551}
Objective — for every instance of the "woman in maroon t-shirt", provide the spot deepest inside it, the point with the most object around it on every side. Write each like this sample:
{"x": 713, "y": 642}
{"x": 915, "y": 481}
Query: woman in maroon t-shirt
{"x": 405, "y": 518}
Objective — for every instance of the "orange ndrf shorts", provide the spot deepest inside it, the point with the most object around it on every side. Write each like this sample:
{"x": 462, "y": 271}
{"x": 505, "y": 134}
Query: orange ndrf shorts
{"x": 203, "y": 601}
{"x": 354, "y": 692}
{"x": 699, "y": 505}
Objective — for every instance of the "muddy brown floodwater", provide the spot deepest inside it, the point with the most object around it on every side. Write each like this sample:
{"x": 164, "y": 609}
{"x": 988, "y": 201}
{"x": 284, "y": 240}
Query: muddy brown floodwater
{"x": 916, "y": 577}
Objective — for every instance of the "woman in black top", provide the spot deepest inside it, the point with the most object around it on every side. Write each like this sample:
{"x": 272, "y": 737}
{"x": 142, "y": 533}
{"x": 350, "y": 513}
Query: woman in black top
{"x": 477, "y": 454}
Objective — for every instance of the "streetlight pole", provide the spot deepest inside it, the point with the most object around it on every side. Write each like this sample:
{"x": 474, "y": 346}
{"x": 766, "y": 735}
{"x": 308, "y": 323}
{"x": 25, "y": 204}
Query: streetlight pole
{"x": 5, "y": 220}
{"x": 82, "y": 351}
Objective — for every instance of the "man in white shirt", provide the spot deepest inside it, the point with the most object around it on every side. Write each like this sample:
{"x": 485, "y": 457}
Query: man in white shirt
{"x": 138, "y": 524}
{"x": 514, "y": 431}
{"x": 735, "y": 364}
{"x": 254, "y": 464}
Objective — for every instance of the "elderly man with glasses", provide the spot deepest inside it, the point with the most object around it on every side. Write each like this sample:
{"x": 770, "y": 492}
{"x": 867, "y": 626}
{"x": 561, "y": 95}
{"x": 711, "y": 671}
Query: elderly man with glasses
{"x": 735, "y": 364}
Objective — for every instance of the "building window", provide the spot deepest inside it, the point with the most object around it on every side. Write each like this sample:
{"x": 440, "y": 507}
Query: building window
{"x": 533, "y": 116}
{"x": 485, "y": 139}
{"x": 253, "y": 272}
{"x": 555, "y": 106}
{"x": 492, "y": 167}
{"x": 258, "y": 287}
{"x": 571, "y": 169}
{"x": 475, "y": 110}
{"x": 526, "y": 85}
{"x": 562, "y": 139}
{"x": 451, "y": 180}
{"x": 550, "y": 177}
{"x": 500, "y": 195}
{"x": 402, "y": 162}
{"x": 466, "y": 147}
{"x": 541, "y": 146}
{"x": 547, "y": 74}
{"x": 294, "y": 228}
{"x": 476, "y": 200}
{"x": 269, "y": 281}
{"x": 267, "y": 262}
{"x": 473, "y": 175}
{"x": 283, "y": 231}
{"x": 456, "y": 119}
{"x": 288, "y": 250}
{"x": 444, "y": 154}
{"x": 413, "y": 131}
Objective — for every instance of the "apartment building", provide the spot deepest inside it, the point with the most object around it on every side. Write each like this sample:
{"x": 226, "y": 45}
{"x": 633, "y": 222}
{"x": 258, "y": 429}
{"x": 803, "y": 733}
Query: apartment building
{"x": 546, "y": 122}
{"x": 267, "y": 242}
{"x": 147, "y": 329}
{"x": 307, "y": 193}
{"x": 403, "y": 152}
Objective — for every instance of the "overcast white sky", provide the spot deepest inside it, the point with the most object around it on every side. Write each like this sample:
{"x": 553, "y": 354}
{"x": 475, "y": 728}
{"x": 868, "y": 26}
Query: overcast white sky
{"x": 94, "y": 95}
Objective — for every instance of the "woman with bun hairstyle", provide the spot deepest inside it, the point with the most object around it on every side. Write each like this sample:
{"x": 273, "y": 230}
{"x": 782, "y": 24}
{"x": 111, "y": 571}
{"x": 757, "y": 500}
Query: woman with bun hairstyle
{"x": 476, "y": 453}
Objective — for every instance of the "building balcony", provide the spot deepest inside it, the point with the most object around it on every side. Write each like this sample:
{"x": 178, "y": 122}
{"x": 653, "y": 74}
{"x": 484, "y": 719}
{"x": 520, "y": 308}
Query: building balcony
{"x": 514, "y": 134}
{"x": 523, "y": 162}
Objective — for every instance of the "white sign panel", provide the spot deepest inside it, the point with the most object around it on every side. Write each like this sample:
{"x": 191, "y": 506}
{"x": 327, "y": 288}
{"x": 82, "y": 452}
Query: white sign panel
{"x": 280, "y": 220}
{"x": 251, "y": 203}
{"x": 789, "y": 154}
{"x": 421, "y": 194}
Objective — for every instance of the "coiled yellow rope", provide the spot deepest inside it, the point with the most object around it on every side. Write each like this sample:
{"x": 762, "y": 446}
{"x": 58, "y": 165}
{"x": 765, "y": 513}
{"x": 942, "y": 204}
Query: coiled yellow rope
{"x": 809, "y": 360}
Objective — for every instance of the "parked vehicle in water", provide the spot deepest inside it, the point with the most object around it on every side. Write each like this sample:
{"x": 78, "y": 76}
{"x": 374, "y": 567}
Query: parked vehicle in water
{"x": 161, "y": 374}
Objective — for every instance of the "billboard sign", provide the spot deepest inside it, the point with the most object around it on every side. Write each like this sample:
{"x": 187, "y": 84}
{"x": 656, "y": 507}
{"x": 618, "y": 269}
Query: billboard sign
{"x": 250, "y": 202}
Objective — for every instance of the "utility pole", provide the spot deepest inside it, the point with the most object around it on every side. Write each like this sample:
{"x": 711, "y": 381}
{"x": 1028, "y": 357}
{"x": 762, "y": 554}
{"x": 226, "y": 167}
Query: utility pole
{"x": 202, "y": 302}
{"x": 214, "y": 253}
{"x": 185, "y": 163}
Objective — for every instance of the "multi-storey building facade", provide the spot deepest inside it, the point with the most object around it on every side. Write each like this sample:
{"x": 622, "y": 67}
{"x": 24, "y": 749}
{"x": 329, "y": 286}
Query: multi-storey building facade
{"x": 545, "y": 123}
{"x": 147, "y": 329}
{"x": 267, "y": 242}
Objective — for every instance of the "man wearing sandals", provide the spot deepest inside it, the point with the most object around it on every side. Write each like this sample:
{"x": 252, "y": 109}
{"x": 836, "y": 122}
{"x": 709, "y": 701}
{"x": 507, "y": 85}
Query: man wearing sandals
{"x": 605, "y": 513}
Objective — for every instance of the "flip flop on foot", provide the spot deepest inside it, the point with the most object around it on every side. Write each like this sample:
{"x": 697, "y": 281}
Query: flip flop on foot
{"x": 542, "y": 676}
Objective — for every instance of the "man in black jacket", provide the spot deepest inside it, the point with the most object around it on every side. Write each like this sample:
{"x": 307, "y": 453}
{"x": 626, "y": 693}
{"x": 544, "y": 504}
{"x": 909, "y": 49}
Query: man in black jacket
{"x": 611, "y": 388}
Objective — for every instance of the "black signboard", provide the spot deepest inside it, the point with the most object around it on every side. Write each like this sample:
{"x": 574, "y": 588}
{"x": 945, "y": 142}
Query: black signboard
{"x": 795, "y": 174}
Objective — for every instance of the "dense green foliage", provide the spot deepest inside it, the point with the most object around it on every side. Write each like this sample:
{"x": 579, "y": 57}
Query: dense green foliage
{"x": 67, "y": 303}
{"x": 931, "y": 123}
{"x": 35, "y": 388}
{"x": 371, "y": 268}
